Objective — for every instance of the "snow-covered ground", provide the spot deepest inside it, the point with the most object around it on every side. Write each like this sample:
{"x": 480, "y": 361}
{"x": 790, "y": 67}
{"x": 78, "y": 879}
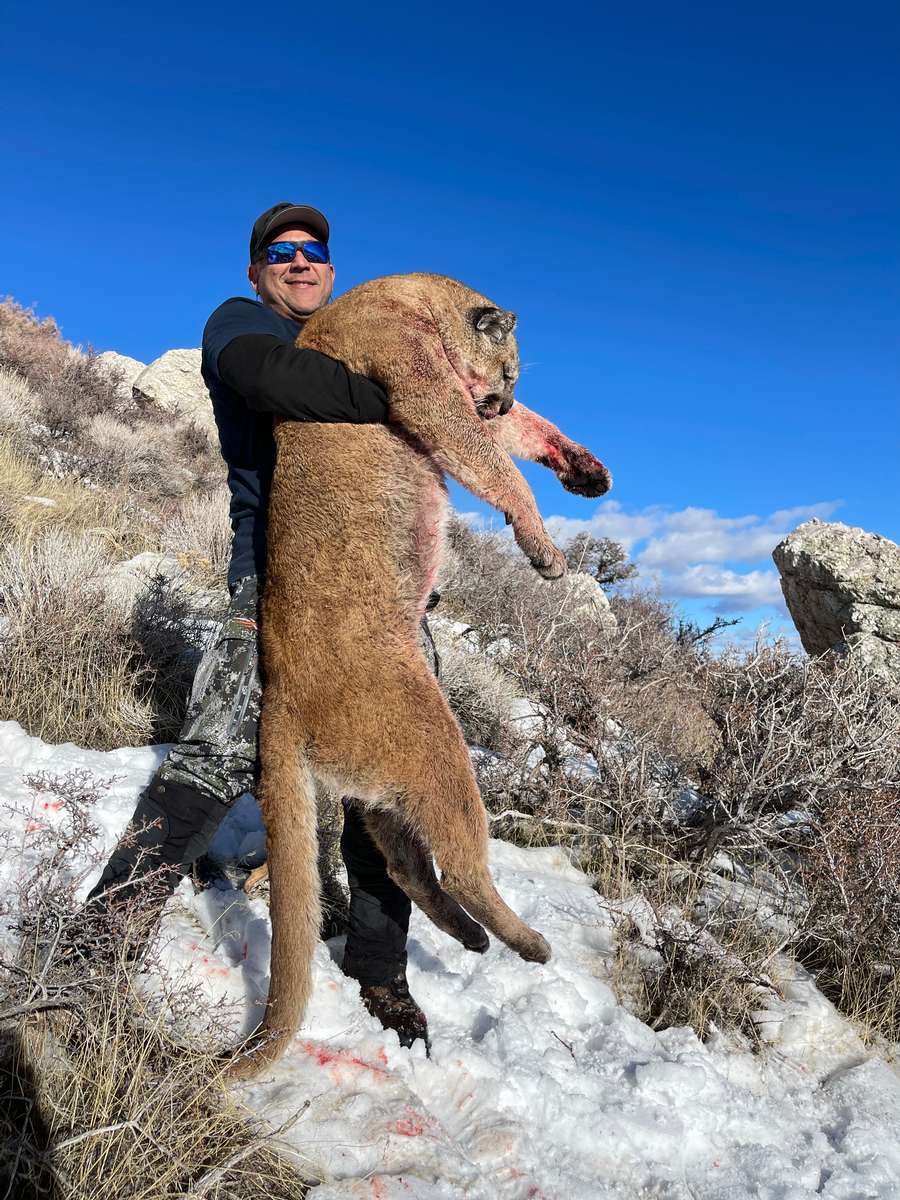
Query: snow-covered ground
{"x": 539, "y": 1083}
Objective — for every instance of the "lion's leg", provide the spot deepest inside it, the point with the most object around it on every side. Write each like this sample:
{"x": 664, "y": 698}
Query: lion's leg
{"x": 524, "y": 434}
{"x": 448, "y": 426}
{"x": 410, "y": 866}
{"x": 419, "y": 764}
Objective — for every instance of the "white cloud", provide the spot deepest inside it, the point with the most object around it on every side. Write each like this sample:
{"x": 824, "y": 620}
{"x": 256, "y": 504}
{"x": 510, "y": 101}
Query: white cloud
{"x": 691, "y": 535}
{"x": 685, "y": 552}
{"x": 610, "y": 521}
{"x": 701, "y": 535}
{"x": 733, "y": 590}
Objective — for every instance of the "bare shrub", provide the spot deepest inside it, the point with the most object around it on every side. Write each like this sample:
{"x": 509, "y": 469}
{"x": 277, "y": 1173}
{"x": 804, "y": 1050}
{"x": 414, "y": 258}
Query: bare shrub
{"x": 166, "y": 643}
{"x": 572, "y": 662}
{"x": 116, "y": 1104}
{"x": 121, "y": 452}
{"x": 192, "y": 441}
{"x": 199, "y": 533}
{"x": 80, "y": 669}
{"x": 672, "y": 970}
{"x": 71, "y": 395}
{"x": 807, "y": 782}
{"x": 786, "y": 838}
{"x": 479, "y": 692}
{"x": 851, "y": 873}
{"x": 29, "y": 345}
{"x": 797, "y": 735}
{"x": 18, "y": 406}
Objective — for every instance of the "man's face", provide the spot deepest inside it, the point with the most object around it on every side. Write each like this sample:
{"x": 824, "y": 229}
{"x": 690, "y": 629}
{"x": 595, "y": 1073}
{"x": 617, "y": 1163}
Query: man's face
{"x": 296, "y": 289}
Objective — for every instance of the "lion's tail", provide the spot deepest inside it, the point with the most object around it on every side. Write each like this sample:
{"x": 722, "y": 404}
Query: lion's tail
{"x": 288, "y": 797}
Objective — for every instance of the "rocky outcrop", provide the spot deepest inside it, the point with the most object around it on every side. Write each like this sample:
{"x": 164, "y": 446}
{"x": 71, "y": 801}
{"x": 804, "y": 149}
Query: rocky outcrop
{"x": 586, "y": 599}
{"x": 172, "y": 383}
{"x": 842, "y": 587}
{"x": 124, "y": 368}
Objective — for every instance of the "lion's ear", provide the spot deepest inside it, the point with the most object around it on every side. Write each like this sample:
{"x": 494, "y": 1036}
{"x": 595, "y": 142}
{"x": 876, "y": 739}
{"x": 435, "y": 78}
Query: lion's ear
{"x": 495, "y": 322}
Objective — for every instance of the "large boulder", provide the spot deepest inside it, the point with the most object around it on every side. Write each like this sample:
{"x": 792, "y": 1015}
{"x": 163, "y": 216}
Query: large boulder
{"x": 172, "y": 383}
{"x": 842, "y": 587}
{"x": 125, "y": 369}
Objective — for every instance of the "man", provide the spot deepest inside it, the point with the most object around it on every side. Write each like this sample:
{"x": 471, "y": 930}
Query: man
{"x": 254, "y": 371}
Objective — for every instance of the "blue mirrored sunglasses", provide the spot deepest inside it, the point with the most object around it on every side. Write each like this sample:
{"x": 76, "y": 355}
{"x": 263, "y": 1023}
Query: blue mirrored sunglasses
{"x": 283, "y": 252}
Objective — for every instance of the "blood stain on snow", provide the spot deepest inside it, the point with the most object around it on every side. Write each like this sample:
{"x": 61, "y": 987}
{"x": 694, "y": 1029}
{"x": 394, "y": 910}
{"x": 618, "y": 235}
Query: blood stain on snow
{"x": 339, "y": 1058}
{"x": 412, "y": 1125}
{"x": 534, "y": 1192}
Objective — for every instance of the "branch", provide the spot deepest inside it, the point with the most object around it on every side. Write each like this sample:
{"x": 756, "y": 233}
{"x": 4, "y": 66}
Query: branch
{"x": 577, "y": 826}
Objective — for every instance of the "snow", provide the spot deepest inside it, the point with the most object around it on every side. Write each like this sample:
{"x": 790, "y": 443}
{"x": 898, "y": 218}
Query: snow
{"x": 539, "y": 1084}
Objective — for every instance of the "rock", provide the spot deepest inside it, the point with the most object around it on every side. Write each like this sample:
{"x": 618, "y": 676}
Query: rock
{"x": 842, "y": 587}
{"x": 126, "y": 368}
{"x": 173, "y": 384}
{"x": 124, "y": 582}
{"x": 586, "y": 598}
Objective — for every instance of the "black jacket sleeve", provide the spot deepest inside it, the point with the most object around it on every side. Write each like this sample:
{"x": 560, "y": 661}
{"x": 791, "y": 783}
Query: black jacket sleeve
{"x": 303, "y": 385}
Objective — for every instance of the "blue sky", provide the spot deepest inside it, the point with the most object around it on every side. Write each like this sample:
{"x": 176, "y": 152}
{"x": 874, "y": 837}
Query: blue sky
{"x": 692, "y": 207}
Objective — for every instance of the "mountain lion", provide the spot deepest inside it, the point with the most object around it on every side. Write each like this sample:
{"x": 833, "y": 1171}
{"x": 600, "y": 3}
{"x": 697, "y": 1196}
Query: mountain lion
{"x": 356, "y": 523}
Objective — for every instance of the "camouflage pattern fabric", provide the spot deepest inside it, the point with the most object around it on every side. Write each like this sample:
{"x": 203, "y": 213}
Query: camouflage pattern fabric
{"x": 216, "y": 752}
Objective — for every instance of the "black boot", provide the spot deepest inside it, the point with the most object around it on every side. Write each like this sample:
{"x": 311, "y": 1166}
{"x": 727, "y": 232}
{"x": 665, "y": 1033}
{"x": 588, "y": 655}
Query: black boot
{"x": 171, "y": 827}
{"x": 395, "y": 1008}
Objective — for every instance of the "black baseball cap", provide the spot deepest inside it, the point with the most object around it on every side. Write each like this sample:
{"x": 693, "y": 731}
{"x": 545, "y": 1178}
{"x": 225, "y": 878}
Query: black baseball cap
{"x": 279, "y": 216}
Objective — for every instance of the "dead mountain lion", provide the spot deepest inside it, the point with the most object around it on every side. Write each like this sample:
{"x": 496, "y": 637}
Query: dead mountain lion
{"x": 356, "y": 524}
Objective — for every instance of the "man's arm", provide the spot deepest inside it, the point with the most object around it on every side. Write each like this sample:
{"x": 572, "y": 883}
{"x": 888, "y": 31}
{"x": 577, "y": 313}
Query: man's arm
{"x": 303, "y": 385}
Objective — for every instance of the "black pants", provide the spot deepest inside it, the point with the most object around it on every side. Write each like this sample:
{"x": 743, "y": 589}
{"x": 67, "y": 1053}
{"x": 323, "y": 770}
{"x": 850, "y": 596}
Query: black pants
{"x": 379, "y": 909}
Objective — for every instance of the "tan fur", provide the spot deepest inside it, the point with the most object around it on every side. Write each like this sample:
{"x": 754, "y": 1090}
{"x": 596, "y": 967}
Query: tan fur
{"x": 355, "y": 532}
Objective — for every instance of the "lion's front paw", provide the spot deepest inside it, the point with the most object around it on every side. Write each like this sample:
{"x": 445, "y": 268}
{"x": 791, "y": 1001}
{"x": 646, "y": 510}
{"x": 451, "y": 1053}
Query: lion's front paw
{"x": 585, "y": 475}
{"x": 550, "y": 563}
{"x": 540, "y": 551}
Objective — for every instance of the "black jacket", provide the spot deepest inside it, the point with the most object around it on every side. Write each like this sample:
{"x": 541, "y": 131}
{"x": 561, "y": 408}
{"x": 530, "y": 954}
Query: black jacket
{"x": 253, "y": 371}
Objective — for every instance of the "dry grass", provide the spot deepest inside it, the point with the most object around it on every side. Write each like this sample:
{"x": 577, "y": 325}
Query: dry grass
{"x": 69, "y": 413}
{"x": 78, "y": 667}
{"x": 126, "y": 1110}
{"x": 199, "y": 534}
{"x": 19, "y": 407}
{"x": 101, "y": 1099}
{"x": 69, "y": 668}
{"x": 33, "y": 502}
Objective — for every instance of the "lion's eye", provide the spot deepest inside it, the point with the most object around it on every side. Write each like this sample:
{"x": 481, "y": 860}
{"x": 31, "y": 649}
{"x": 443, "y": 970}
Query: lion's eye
{"x": 508, "y": 372}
